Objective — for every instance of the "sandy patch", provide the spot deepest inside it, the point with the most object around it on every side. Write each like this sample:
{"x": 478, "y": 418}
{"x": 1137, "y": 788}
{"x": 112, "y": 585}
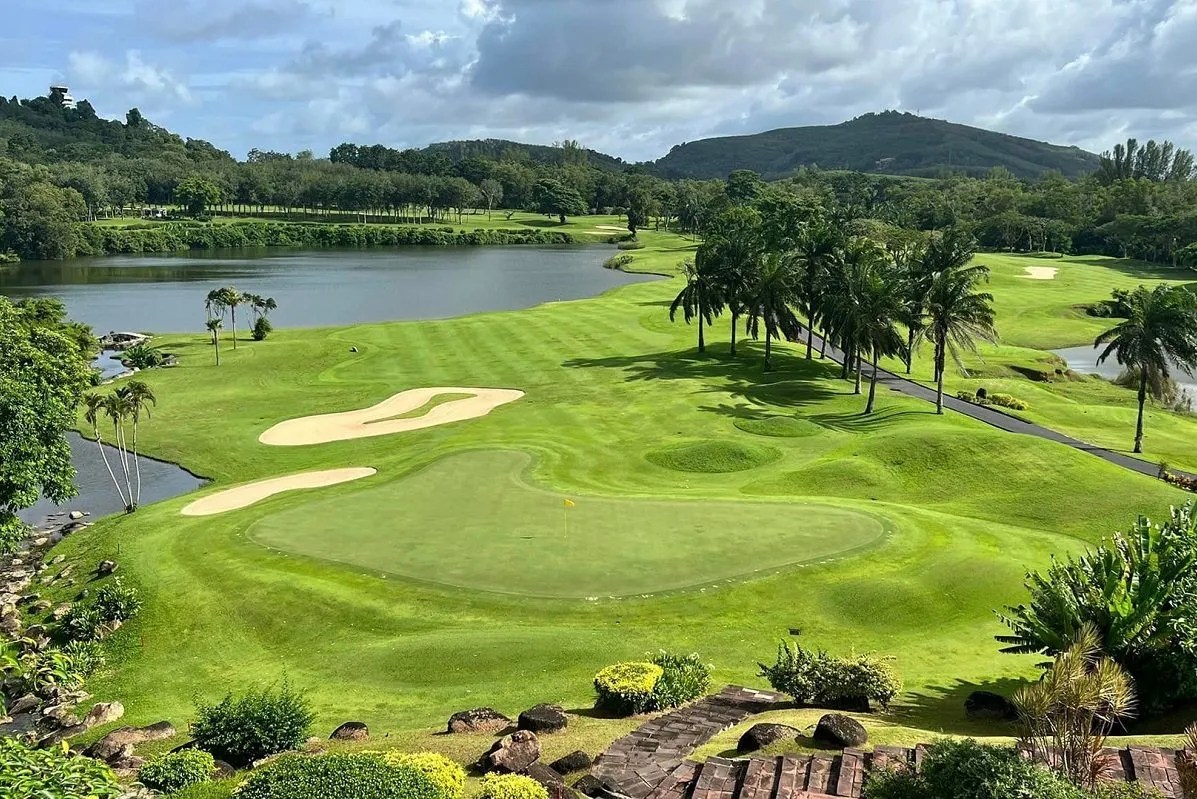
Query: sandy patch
{"x": 369, "y": 422}
{"x": 611, "y": 228}
{"x": 252, "y": 493}
{"x": 1040, "y": 272}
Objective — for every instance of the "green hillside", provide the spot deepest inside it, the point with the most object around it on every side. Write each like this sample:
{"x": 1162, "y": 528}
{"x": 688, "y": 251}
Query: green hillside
{"x": 504, "y": 150}
{"x": 890, "y": 142}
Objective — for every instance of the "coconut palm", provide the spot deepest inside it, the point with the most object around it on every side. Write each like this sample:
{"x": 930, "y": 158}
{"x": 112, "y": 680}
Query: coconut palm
{"x": 93, "y": 405}
{"x": 214, "y": 306}
{"x": 137, "y": 397}
{"x": 214, "y": 324}
{"x": 733, "y": 250}
{"x": 232, "y": 299}
{"x": 699, "y": 298}
{"x": 909, "y": 254}
{"x": 769, "y": 301}
{"x": 117, "y": 408}
{"x": 1160, "y": 330}
{"x": 815, "y": 252}
{"x": 958, "y": 316}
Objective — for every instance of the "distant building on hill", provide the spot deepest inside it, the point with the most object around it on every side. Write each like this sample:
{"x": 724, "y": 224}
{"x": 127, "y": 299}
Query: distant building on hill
{"x": 62, "y": 96}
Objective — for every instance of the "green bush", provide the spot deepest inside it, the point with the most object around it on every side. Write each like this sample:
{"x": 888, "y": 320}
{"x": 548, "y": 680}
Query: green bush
{"x": 87, "y": 656}
{"x": 83, "y": 623}
{"x": 631, "y": 244}
{"x": 142, "y": 356}
{"x": 262, "y": 329}
{"x": 618, "y": 261}
{"x": 511, "y": 786}
{"x": 683, "y": 677}
{"x": 240, "y": 730}
{"x": 353, "y": 776}
{"x": 175, "y": 771}
{"x": 117, "y": 602}
{"x": 627, "y": 688}
{"x": 970, "y": 770}
{"x": 822, "y": 680}
{"x": 27, "y": 772}
{"x": 446, "y": 774}
{"x": 967, "y": 396}
{"x": 1007, "y": 401}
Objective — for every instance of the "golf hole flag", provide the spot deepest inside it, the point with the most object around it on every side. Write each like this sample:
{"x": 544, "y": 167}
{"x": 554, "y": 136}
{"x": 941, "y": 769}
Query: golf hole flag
{"x": 569, "y": 503}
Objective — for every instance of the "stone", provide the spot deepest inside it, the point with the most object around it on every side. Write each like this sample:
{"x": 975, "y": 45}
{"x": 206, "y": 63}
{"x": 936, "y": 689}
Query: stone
{"x": 480, "y": 719}
{"x": 75, "y": 515}
{"x": 112, "y": 744}
{"x": 988, "y": 706}
{"x": 29, "y": 599}
{"x": 350, "y": 731}
{"x": 25, "y": 704}
{"x": 40, "y": 606}
{"x": 760, "y": 736}
{"x": 551, "y": 780}
{"x": 574, "y": 761}
{"x": 222, "y": 770}
{"x": 61, "y": 734}
{"x": 106, "y": 568}
{"x": 841, "y": 731}
{"x": 127, "y": 766}
{"x": 10, "y": 625}
{"x": 589, "y": 785}
{"x": 54, "y": 561}
{"x": 543, "y": 718}
{"x": 61, "y": 611}
{"x": 512, "y": 753}
{"x": 103, "y": 713}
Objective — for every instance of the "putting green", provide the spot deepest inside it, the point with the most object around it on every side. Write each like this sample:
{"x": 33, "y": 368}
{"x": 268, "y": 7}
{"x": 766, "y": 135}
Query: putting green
{"x": 472, "y": 521}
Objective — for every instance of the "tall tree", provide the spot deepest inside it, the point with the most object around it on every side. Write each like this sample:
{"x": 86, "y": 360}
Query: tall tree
{"x": 1160, "y": 331}
{"x": 817, "y": 245}
{"x": 769, "y": 302}
{"x": 137, "y": 398}
{"x": 214, "y": 324}
{"x": 734, "y": 247}
{"x": 93, "y": 406}
{"x": 699, "y": 298}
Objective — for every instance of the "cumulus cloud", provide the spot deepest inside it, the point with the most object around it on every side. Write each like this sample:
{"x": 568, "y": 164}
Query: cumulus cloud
{"x": 134, "y": 77}
{"x": 207, "y": 21}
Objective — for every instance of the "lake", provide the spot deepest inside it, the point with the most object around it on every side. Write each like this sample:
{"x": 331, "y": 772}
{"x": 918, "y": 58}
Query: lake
{"x": 1084, "y": 360}
{"x": 165, "y": 293}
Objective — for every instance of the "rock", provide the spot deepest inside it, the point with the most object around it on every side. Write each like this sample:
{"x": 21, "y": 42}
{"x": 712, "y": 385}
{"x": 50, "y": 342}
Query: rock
{"x": 75, "y": 515}
{"x": 350, "y": 731}
{"x": 127, "y": 766}
{"x": 589, "y": 785}
{"x": 103, "y": 713}
{"x": 551, "y": 780}
{"x": 222, "y": 770}
{"x": 54, "y": 561}
{"x": 841, "y": 731}
{"x": 29, "y": 599}
{"x": 113, "y": 743}
{"x": 25, "y": 704}
{"x": 61, "y": 734}
{"x": 760, "y": 736}
{"x": 543, "y": 718}
{"x": 512, "y": 753}
{"x": 480, "y": 719}
{"x": 574, "y": 761}
{"x": 106, "y": 568}
{"x": 10, "y": 625}
{"x": 989, "y": 706}
{"x": 40, "y": 606}
{"x": 61, "y": 611}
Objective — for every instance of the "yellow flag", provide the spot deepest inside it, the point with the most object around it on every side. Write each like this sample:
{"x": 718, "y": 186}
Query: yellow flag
{"x": 569, "y": 503}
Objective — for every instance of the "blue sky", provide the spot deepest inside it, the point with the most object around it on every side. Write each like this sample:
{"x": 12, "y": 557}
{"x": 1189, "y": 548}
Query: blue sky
{"x": 629, "y": 77}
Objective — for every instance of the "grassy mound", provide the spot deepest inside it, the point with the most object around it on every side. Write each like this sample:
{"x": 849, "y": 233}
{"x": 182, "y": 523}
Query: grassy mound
{"x": 713, "y": 457}
{"x": 779, "y": 427}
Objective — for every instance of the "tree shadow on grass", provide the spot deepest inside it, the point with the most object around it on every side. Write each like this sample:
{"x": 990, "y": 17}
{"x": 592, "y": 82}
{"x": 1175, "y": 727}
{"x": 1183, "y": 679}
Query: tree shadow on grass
{"x": 941, "y": 708}
{"x": 860, "y": 423}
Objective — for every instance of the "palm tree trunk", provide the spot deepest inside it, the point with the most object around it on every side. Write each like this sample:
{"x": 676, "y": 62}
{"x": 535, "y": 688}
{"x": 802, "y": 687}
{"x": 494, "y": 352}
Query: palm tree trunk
{"x": 233, "y": 310}
{"x": 1142, "y": 402}
{"x": 136, "y": 465}
{"x": 216, "y": 341}
{"x": 857, "y": 360}
{"x": 108, "y": 466}
{"x": 909, "y": 350}
{"x": 768, "y": 351}
{"x": 823, "y": 348}
{"x": 939, "y": 381}
{"x": 702, "y": 342}
{"x": 810, "y": 337}
{"x": 119, "y": 440}
{"x": 735, "y": 317}
{"x": 872, "y": 385}
{"x": 846, "y": 366}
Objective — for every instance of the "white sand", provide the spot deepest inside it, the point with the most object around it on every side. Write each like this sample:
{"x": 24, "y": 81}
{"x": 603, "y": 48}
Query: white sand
{"x": 614, "y": 228}
{"x": 1040, "y": 272}
{"x": 369, "y": 422}
{"x": 251, "y": 493}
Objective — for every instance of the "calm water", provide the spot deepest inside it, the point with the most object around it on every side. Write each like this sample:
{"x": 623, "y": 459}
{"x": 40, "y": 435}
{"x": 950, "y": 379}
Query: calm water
{"x": 1084, "y": 360}
{"x": 330, "y": 287}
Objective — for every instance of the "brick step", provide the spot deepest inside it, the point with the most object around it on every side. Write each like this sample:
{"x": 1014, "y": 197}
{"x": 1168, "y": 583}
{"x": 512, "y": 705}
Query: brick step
{"x": 718, "y": 778}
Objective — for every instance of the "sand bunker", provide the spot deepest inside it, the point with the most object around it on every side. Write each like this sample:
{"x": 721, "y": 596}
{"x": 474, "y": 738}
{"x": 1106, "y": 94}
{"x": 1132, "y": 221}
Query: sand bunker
{"x": 251, "y": 493}
{"x": 379, "y": 421}
{"x": 1040, "y": 272}
{"x": 613, "y": 228}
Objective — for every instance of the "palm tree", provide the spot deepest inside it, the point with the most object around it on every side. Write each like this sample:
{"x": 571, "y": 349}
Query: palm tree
{"x": 214, "y": 306}
{"x": 214, "y": 326}
{"x": 957, "y": 317}
{"x": 94, "y": 406}
{"x": 1161, "y": 330}
{"x": 137, "y": 397}
{"x": 815, "y": 251}
{"x": 231, "y": 299}
{"x": 909, "y": 253}
{"x": 733, "y": 250}
{"x": 769, "y": 300}
{"x": 116, "y": 407}
{"x": 699, "y": 299}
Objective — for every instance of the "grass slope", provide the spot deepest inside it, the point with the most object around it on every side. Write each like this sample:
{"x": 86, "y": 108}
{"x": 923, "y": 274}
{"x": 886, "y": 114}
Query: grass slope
{"x": 608, "y": 382}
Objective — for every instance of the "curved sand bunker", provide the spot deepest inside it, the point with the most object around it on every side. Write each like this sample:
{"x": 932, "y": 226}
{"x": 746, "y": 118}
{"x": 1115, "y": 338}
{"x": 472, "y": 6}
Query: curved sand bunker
{"x": 1040, "y": 272}
{"x": 378, "y": 420}
{"x": 251, "y": 493}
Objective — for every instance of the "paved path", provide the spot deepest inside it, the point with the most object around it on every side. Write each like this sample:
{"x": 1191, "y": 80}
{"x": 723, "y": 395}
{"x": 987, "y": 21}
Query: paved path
{"x": 996, "y": 418}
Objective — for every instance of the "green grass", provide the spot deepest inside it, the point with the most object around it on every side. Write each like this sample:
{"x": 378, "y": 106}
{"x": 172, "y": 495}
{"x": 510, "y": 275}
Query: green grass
{"x": 609, "y": 381}
{"x": 469, "y": 521}
{"x": 415, "y": 413}
{"x": 713, "y": 457}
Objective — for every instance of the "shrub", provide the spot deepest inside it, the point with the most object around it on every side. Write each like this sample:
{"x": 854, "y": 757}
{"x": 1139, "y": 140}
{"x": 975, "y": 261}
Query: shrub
{"x": 262, "y": 722}
{"x": 84, "y": 623}
{"x": 970, "y": 770}
{"x": 982, "y": 394}
{"x": 142, "y": 356}
{"x": 683, "y": 677}
{"x": 87, "y": 656}
{"x": 511, "y": 786}
{"x": 967, "y": 396}
{"x": 448, "y": 777}
{"x": 627, "y": 688}
{"x": 117, "y": 601}
{"x": 54, "y": 773}
{"x": 820, "y": 679}
{"x": 1007, "y": 401}
{"x": 632, "y": 244}
{"x": 175, "y": 771}
{"x": 360, "y": 776}
{"x": 262, "y": 329}
{"x": 618, "y": 261}
{"x": 49, "y": 671}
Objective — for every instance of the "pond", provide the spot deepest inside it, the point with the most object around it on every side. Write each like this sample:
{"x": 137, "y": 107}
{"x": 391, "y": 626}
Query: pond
{"x": 165, "y": 293}
{"x": 1084, "y": 360}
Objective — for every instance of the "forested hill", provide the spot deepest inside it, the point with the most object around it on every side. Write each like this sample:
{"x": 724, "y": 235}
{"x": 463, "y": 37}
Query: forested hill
{"x": 568, "y": 152}
{"x": 890, "y": 142}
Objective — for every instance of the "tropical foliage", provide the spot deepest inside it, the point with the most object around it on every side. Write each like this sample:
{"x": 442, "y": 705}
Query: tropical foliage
{"x": 260, "y": 722}
{"x": 823, "y": 680}
{"x": 29, "y": 772}
{"x": 124, "y": 409}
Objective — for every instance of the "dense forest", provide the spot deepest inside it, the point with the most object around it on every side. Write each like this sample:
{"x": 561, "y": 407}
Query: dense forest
{"x": 62, "y": 168}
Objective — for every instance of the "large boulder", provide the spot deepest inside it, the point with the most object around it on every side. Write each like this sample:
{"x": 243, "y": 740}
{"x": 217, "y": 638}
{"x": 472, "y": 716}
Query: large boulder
{"x": 552, "y": 781}
{"x": 350, "y": 731}
{"x": 543, "y": 718}
{"x": 840, "y": 731}
{"x": 113, "y": 744}
{"x": 106, "y": 568}
{"x": 479, "y": 719}
{"x": 761, "y": 735}
{"x": 589, "y": 785}
{"x": 574, "y": 761}
{"x": 222, "y": 770}
{"x": 988, "y": 706}
{"x": 512, "y": 753}
{"x": 103, "y": 713}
